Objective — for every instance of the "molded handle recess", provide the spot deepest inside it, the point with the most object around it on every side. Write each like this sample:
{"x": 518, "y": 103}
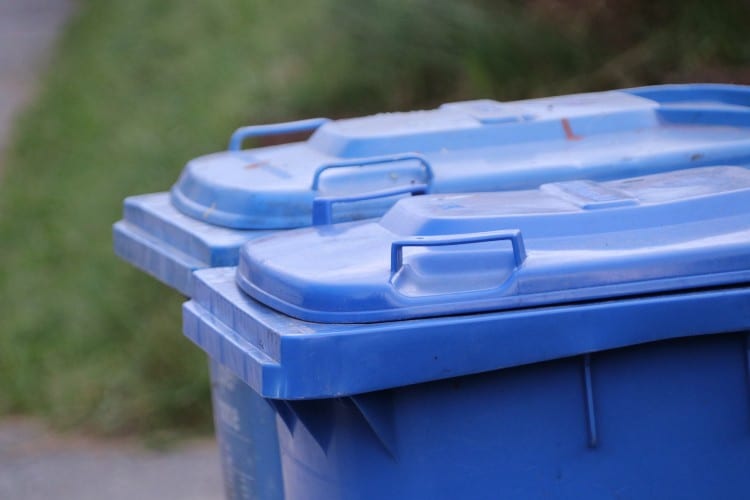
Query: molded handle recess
{"x": 513, "y": 235}
{"x": 242, "y": 133}
{"x": 374, "y": 160}
{"x": 322, "y": 211}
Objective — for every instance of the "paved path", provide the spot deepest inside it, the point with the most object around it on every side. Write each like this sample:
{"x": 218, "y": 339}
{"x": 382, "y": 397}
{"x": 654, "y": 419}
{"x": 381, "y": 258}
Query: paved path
{"x": 28, "y": 29}
{"x": 36, "y": 464}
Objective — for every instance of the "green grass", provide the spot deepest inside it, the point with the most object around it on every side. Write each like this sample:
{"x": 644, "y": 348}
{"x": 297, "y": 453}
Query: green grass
{"x": 140, "y": 87}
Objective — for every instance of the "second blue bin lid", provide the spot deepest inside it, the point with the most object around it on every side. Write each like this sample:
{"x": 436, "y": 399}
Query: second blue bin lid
{"x": 462, "y": 253}
{"x": 463, "y": 147}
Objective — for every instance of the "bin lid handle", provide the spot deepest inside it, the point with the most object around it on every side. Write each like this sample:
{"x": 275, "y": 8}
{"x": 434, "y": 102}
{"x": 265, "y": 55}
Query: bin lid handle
{"x": 512, "y": 235}
{"x": 322, "y": 211}
{"x": 374, "y": 160}
{"x": 243, "y": 133}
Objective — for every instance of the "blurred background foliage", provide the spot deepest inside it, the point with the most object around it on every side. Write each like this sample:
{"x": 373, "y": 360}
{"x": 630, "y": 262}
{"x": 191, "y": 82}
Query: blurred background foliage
{"x": 140, "y": 87}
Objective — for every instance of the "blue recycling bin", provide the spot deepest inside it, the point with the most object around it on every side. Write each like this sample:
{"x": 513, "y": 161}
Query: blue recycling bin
{"x": 357, "y": 168}
{"x": 224, "y": 199}
{"x": 580, "y": 340}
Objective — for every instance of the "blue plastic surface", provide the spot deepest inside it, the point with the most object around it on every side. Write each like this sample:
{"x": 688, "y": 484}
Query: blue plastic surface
{"x": 672, "y": 421}
{"x": 564, "y": 242}
{"x": 614, "y": 135}
{"x": 641, "y": 397}
{"x": 346, "y": 170}
{"x": 247, "y": 437}
{"x": 463, "y": 147}
{"x": 162, "y": 241}
{"x": 281, "y": 357}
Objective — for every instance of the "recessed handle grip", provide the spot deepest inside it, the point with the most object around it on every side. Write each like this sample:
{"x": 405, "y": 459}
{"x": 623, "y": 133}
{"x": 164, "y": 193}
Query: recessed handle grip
{"x": 322, "y": 211}
{"x": 512, "y": 235}
{"x": 374, "y": 160}
{"x": 241, "y": 134}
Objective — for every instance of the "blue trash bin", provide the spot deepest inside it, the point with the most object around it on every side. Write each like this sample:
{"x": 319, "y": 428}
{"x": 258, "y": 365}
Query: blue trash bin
{"x": 224, "y": 199}
{"x": 357, "y": 168}
{"x": 581, "y": 340}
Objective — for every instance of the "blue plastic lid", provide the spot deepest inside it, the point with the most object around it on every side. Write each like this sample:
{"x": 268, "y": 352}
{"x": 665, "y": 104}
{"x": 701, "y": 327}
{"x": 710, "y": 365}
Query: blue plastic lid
{"x": 162, "y": 241}
{"x": 565, "y": 242}
{"x": 464, "y": 147}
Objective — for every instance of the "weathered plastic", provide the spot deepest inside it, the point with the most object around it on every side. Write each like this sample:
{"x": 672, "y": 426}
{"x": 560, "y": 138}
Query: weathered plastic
{"x": 357, "y": 168}
{"x": 468, "y": 146}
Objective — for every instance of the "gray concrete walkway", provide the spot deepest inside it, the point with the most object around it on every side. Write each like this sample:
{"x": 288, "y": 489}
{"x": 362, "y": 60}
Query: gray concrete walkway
{"x": 36, "y": 464}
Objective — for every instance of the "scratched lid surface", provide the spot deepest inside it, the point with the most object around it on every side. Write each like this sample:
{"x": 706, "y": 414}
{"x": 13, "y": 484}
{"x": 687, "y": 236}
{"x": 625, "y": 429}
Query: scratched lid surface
{"x": 463, "y": 147}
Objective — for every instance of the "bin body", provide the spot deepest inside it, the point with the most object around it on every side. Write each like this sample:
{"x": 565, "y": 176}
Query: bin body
{"x": 607, "y": 355}
{"x": 661, "y": 419}
{"x": 671, "y": 422}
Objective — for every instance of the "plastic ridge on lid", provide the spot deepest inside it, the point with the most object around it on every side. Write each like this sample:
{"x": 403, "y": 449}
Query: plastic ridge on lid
{"x": 468, "y": 146}
{"x": 439, "y": 255}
